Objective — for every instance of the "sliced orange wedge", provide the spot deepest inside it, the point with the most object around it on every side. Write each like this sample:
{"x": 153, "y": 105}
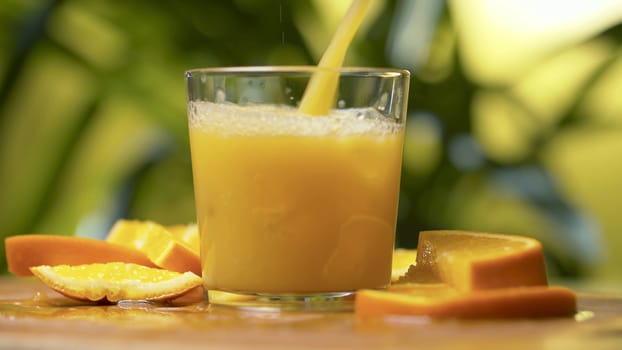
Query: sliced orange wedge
{"x": 157, "y": 243}
{"x": 25, "y": 251}
{"x": 472, "y": 275}
{"x": 116, "y": 281}
{"x": 438, "y": 301}
{"x": 188, "y": 234}
{"x": 402, "y": 260}
{"x": 470, "y": 261}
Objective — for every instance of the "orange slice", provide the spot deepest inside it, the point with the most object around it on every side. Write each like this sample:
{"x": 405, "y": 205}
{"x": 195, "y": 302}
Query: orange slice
{"x": 402, "y": 259}
{"x": 25, "y": 251}
{"x": 157, "y": 243}
{"x": 472, "y": 275}
{"x": 188, "y": 234}
{"x": 470, "y": 261}
{"x": 439, "y": 301}
{"x": 116, "y": 281}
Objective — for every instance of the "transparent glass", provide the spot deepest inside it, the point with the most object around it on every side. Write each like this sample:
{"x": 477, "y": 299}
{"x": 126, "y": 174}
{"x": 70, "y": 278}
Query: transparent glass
{"x": 295, "y": 209}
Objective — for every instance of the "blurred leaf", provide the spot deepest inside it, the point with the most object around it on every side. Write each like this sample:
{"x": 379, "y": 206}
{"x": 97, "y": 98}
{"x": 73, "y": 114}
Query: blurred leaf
{"x": 93, "y": 116}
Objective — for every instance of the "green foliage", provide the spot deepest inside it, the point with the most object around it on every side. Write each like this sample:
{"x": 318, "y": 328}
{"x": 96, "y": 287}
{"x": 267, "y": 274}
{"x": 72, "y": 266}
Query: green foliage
{"x": 93, "y": 120}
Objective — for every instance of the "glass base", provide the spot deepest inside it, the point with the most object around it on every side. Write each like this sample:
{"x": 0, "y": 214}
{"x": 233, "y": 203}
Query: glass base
{"x": 331, "y": 302}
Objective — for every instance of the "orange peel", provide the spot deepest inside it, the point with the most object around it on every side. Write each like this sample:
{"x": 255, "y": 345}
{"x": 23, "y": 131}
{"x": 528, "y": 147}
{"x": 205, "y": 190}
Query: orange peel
{"x": 518, "y": 302}
{"x": 25, "y": 251}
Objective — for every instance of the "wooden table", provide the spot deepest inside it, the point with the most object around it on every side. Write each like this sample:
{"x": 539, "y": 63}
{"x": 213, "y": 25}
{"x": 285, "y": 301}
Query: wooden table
{"x": 65, "y": 324}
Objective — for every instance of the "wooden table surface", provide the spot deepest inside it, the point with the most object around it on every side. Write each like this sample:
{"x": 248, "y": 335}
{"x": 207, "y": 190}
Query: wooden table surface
{"x": 34, "y": 317}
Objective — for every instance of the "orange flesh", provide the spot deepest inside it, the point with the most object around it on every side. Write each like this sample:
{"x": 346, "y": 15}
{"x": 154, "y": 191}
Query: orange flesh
{"x": 187, "y": 234}
{"x": 116, "y": 281}
{"x": 402, "y": 260}
{"x": 25, "y": 251}
{"x": 157, "y": 243}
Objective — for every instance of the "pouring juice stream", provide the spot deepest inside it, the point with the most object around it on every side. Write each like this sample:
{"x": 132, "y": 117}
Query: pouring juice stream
{"x": 319, "y": 96}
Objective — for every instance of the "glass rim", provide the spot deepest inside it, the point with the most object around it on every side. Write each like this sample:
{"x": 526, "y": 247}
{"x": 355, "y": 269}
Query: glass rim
{"x": 298, "y": 69}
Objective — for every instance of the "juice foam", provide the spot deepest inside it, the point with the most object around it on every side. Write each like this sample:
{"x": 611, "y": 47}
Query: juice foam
{"x": 229, "y": 120}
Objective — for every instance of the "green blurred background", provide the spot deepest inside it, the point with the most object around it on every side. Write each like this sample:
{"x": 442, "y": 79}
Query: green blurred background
{"x": 514, "y": 113}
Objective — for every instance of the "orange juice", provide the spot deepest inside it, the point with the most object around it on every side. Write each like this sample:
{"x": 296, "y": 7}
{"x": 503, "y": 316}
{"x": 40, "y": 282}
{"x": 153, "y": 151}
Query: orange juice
{"x": 294, "y": 204}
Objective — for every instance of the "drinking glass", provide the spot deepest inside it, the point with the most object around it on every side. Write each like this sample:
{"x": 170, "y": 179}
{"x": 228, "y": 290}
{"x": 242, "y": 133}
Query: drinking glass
{"x": 295, "y": 209}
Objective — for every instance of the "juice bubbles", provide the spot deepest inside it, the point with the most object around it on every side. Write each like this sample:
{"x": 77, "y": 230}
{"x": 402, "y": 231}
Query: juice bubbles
{"x": 292, "y": 204}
